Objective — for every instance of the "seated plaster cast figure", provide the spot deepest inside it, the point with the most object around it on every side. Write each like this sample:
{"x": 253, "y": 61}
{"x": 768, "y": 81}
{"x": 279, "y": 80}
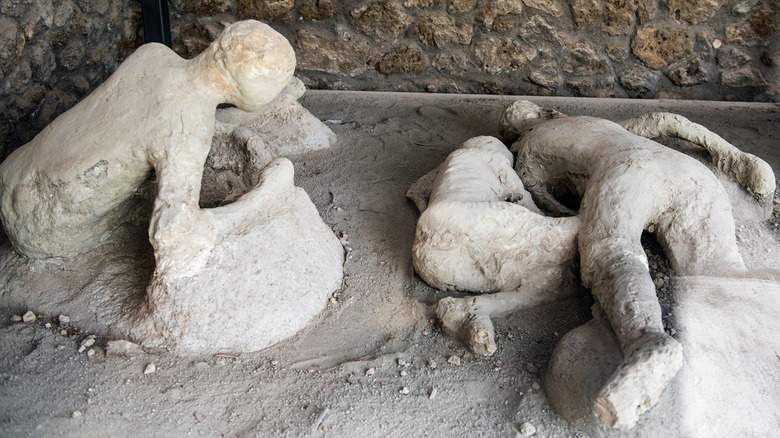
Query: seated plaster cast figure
{"x": 65, "y": 191}
{"x": 627, "y": 183}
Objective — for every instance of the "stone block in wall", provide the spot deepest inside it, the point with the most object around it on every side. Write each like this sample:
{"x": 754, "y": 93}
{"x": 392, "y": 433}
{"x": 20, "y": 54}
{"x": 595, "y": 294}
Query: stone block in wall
{"x": 756, "y": 29}
{"x": 693, "y": 12}
{"x": 387, "y": 21}
{"x": 658, "y": 47}
{"x": 743, "y": 76}
{"x": 583, "y": 59}
{"x": 421, "y": 3}
{"x": 317, "y": 10}
{"x": 689, "y": 73}
{"x": 12, "y": 43}
{"x": 730, "y": 57}
{"x": 537, "y": 32}
{"x": 437, "y": 30}
{"x": 498, "y": 15}
{"x": 266, "y": 10}
{"x": 201, "y": 7}
{"x": 639, "y": 79}
{"x": 458, "y": 6}
{"x": 455, "y": 62}
{"x": 323, "y": 51}
{"x": 546, "y": 75}
{"x": 496, "y": 55}
{"x": 618, "y": 16}
{"x": 552, "y": 7}
{"x": 585, "y": 11}
{"x": 646, "y": 11}
{"x": 403, "y": 59}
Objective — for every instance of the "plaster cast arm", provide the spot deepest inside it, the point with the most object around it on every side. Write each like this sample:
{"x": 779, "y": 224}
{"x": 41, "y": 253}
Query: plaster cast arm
{"x": 750, "y": 171}
{"x": 182, "y": 234}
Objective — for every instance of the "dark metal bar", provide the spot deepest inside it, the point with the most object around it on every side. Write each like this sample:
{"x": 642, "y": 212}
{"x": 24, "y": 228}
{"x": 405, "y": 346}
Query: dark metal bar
{"x": 157, "y": 26}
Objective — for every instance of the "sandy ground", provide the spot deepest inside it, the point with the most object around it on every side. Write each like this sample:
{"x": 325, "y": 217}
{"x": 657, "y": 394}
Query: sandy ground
{"x": 374, "y": 363}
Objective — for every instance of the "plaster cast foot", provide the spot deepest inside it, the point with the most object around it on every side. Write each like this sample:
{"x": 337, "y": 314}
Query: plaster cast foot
{"x": 639, "y": 381}
{"x": 461, "y": 317}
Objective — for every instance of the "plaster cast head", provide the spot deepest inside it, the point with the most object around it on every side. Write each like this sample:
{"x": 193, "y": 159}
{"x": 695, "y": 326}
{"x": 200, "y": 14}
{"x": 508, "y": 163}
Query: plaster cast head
{"x": 255, "y": 61}
{"x": 488, "y": 143}
{"x": 522, "y": 115}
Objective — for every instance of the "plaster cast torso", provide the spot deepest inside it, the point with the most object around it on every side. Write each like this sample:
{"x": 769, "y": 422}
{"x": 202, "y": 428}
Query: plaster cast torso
{"x": 75, "y": 175}
{"x": 629, "y": 183}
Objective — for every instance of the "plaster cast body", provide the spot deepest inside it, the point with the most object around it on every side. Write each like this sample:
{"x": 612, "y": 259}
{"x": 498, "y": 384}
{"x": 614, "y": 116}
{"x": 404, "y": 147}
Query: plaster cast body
{"x": 626, "y": 183}
{"x": 238, "y": 277}
{"x": 63, "y": 192}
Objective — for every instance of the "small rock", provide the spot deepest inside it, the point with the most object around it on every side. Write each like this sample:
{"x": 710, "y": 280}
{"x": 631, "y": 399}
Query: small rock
{"x": 333, "y": 300}
{"x": 47, "y": 325}
{"x": 16, "y": 318}
{"x": 527, "y": 429}
{"x": 370, "y": 371}
{"x": 76, "y": 414}
{"x": 150, "y": 368}
{"x": 87, "y": 342}
{"x": 536, "y": 386}
{"x": 432, "y": 394}
{"x": 90, "y": 352}
{"x": 432, "y": 364}
{"x": 29, "y": 316}
{"x": 404, "y": 390}
{"x": 403, "y": 373}
{"x": 454, "y": 360}
{"x": 64, "y": 332}
{"x": 531, "y": 368}
{"x": 401, "y": 363}
{"x": 121, "y": 347}
{"x": 63, "y": 319}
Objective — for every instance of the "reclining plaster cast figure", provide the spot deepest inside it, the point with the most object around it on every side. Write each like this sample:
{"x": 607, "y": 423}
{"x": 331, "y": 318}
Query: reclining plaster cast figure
{"x": 64, "y": 192}
{"x": 627, "y": 183}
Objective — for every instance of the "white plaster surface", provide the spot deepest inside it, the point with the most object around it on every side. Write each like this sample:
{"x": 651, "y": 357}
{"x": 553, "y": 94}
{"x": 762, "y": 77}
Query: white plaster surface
{"x": 316, "y": 383}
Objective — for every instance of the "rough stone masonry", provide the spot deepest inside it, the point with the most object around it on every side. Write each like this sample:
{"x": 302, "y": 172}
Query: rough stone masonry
{"x": 53, "y": 53}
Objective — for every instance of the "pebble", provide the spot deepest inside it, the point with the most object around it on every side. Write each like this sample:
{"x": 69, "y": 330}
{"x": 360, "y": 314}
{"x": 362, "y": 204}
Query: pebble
{"x": 370, "y": 371}
{"x": 90, "y": 352}
{"x": 401, "y": 363}
{"x": 63, "y": 319}
{"x": 454, "y": 360}
{"x": 404, "y": 390}
{"x": 432, "y": 394}
{"x": 531, "y": 368}
{"x": 76, "y": 414}
{"x": 432, "y": 364}
{"x": 63, "y": 332}
{"x": 47, "y": 325}
{"x": 121, "y": 347}
{"x": 150, "y": 368}
{"x": 536, "y": 386}
{"x": 527, "y": 429}
{"x": 658, "y": 282}
{"x": 16, "y": 318}
{"x": 29, "y": 316}
{"x": 403, "y": 373}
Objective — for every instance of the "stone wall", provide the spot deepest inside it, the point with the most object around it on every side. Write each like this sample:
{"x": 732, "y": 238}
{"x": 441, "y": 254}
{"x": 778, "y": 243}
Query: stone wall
{"x": 54, "y": 52}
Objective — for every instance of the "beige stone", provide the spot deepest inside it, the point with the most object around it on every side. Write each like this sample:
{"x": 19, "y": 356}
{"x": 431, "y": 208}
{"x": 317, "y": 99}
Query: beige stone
{"x": 693, "y": 12}
{"x": 756, "y": 29}
{"x": 585, "y": 11}
{"x": 439, "y": 29}
{"x": 502, "y": 54}
{"x": 266, "y": 10}
{"x": 458, "y": 6}
{"x": 618, "y": 16}
{"x": 659, "y": 47}
{"x": 317, "y": 10}
{"x": 386, "y": 21}
{"x": 321, "y": 50}
{"x": 497, "y": 15}
{"x": 403, "y": 59}
{"x": 552, "y": 7}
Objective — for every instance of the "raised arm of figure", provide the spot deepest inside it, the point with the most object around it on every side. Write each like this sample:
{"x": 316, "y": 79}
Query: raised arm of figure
{"x": 750, "y": 171}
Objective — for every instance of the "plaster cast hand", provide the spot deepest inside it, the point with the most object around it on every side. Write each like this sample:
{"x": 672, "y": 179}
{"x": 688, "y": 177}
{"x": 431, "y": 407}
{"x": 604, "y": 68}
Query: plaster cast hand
{"x": 462, "y": 318}
{"x": 182, "y": 237}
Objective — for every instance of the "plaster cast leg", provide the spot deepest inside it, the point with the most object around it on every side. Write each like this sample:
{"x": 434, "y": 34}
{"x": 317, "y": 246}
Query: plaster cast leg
{"x": 615, "y": 267}
{"x": 751, "y": 172}
{"x": 469, "y": 318}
